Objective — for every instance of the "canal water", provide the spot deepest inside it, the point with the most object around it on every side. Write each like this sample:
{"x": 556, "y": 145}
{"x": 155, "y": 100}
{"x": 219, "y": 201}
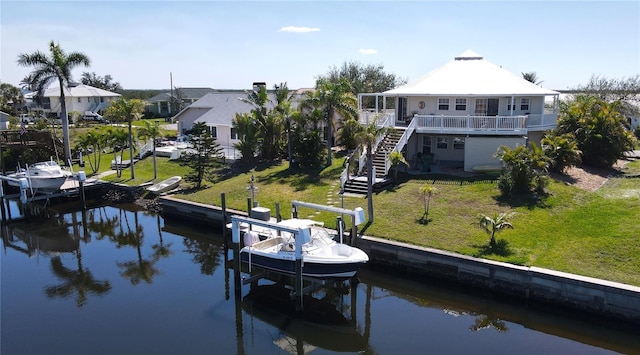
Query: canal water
{"x": 121, "y": 280}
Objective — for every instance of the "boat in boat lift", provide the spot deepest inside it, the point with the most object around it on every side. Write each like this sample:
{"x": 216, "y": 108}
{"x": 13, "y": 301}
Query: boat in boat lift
{"x": 44, "y": 176}
{"x": 321, "y": 255}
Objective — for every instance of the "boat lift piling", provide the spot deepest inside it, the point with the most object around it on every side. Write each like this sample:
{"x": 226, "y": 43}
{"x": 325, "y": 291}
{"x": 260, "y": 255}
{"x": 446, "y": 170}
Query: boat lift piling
{"x": 357, "y": 216}
{"x": 235, "y": 238}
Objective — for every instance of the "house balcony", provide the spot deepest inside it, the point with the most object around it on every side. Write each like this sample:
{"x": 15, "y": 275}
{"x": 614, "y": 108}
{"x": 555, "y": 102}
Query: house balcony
{"x": 472, "y": 125}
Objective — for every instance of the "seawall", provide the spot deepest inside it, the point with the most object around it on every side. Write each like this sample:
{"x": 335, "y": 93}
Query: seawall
{"x": 579, "y": 293}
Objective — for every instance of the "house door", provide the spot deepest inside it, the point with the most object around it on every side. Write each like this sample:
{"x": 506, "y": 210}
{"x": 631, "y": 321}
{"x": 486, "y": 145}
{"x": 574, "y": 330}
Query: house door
{"x": 402, "y": 109}
{"x": 492, "y": 107}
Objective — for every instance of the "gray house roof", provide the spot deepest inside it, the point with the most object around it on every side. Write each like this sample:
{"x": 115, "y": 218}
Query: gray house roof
{"x": 187, "y": 93}
{"x": 223, "y": 107}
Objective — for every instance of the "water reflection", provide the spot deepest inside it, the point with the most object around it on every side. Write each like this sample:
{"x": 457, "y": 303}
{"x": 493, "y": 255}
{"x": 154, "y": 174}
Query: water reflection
{"x": 183, "y": 280}
{"x": 322, "y": 323}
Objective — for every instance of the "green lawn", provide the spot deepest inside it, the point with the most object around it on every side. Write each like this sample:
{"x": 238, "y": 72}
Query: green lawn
{"x": 588, "y": 233}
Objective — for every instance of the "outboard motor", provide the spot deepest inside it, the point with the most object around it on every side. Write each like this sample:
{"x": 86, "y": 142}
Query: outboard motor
{"x": 250, "y": 238}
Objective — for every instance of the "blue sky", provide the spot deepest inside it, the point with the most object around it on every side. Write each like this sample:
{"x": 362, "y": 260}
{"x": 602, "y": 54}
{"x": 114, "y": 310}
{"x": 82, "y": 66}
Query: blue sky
{"x": 229, "y": 45}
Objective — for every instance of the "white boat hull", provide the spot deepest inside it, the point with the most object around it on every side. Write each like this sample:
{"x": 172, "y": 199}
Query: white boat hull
{"x": 166, "y": 185}
{"x": 47, "y": 176}
{"x": 321, "y": 257}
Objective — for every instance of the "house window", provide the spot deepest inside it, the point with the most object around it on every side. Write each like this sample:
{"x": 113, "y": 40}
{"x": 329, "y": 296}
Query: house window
{"x": 443, "y": 104}
{"x": 524, "y": 103}
{"x": 458, "y": 143}
{"x": 214, "y": 131}
{"x": 79, "y": 99}
{"x": 511, "y": 107}
{"x": 461, "y": 104}
{"x": 234, "y": 133}
{"x": 426, "y": 144}
{"x": 481, "y": 107}
{"x": 442, "y": 142}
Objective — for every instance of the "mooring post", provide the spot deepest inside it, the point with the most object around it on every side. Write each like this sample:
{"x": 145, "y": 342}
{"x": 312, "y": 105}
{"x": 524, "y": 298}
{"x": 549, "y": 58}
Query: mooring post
{"x": 249, "y": 207}
{"x": 224, "y": 218}
{"x": 340, "y": 227}
{"x": 235, "y": 239}
{"x": 2, "y": 211}
{"x": 299, "y": 240}
{"x": 81, "y": 178}
{"x": 278, "y": 216}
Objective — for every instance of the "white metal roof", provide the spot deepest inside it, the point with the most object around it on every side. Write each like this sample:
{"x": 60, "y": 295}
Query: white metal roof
{"x": 470, "y": 74}
{"x": 79, "y": 90}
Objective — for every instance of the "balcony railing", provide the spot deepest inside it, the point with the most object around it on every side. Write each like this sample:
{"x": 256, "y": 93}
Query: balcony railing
{"x": 496, "y": 125}
{"x": 470, "y": 124}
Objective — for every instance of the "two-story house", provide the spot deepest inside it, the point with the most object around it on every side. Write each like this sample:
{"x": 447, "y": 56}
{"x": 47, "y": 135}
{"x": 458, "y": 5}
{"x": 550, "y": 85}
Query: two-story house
{"x": 78, "y": 97}
{"x": 461, "y": 113}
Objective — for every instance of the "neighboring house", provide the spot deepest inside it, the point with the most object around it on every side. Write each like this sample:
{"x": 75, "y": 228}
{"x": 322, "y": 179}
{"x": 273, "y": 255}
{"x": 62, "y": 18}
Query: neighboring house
{"x": 218, "y": 109}
{"x": 462, "y": 112}
{"x": 4, "y": 121}
{"x": 78, "y": 97}
{"x": 160, "y": 105}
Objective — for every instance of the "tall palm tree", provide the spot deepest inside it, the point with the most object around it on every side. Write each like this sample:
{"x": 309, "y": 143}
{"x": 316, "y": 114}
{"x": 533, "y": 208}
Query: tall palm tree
{"x": 57, "y": 66}
{"x": 285, "y": 111}
{"x": 151, "y": 130}
{"x": 494, "y": 224}
{"x": 332, "y": 98}
{"x": 127, "y": 110}
{"x": 367, "y": 138}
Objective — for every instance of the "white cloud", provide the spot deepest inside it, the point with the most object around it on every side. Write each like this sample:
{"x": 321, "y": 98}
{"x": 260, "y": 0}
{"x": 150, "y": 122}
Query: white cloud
{"x": 366, "y": 51}
{"x": 297, "y": 29}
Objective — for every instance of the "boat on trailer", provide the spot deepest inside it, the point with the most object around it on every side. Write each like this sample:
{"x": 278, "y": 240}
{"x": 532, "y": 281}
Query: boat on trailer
{"x": 274, "y": 247}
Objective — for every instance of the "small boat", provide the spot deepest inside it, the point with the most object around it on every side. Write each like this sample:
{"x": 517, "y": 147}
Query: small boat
{"x": 47, "y": 175}
{"x": 321, "y": 255}
{"x": 165, "y": 185}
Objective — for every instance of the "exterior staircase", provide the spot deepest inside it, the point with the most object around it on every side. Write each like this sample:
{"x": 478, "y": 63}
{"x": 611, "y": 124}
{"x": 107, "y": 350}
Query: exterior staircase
{"x": 358, "y": 185}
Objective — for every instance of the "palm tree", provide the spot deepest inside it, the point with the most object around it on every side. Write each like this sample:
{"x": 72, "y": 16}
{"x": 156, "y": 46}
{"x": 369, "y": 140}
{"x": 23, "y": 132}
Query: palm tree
{"x": 367, "y": 138}
{"x": 496, "y": 223}
{"x": 269, "y": 122}
{"x": 152, "y": 131}
{"x": 127, "y": 110}
{"x": 532, "y": 77}
{"x": 332, "y": 98}
{"x": 396, "y": 158}
{"x": 284, "y": 109}
{"x": 91, "y": 143}
{"x": 427, "y": 190}
{"x": 117, "y": 139}
{"x": 47, "y": 69}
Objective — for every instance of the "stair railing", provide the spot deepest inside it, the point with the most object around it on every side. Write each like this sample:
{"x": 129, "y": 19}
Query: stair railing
{"x": 401, "y": 143}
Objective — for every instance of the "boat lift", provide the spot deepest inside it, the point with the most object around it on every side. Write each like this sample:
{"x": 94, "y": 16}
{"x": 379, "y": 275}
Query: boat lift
{"x": 25, "y": 188}
{"x": 357, "y": 216}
